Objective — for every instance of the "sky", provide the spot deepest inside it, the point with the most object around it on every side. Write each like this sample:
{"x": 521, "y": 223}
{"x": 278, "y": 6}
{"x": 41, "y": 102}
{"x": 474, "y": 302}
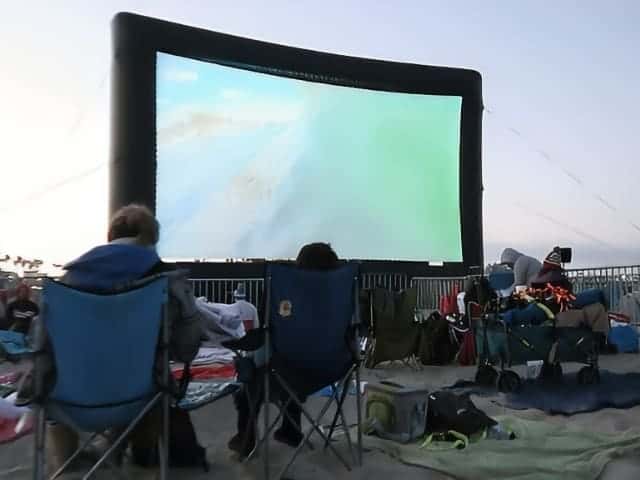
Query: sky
{"x": 560, "y": 148}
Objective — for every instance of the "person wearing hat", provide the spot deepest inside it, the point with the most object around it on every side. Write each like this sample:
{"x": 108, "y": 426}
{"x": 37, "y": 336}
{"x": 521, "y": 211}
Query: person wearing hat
{"x": 524, "y": 268}
{"x": 248, "y": 312}
{"x": 552, "y": 272}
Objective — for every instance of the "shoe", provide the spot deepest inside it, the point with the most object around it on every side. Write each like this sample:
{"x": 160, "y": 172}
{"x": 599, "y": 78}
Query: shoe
{"x": 242, "y": 445}
{"x": 288, "y": 437}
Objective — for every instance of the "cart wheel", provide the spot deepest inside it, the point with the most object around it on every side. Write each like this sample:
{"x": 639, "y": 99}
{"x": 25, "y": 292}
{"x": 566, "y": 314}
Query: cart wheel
{"x": 588, "y": 375}
{"x": 486, "y": 376}
{"x": 509, "y": 381}
{"x": 551, "y": 373}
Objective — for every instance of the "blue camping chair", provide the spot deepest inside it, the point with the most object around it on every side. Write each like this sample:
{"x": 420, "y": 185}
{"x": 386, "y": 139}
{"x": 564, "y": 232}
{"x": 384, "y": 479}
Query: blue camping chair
{"x": 311, "y": 329}
{"x": 501, "y": 280}
{"x": 104, "y": 348}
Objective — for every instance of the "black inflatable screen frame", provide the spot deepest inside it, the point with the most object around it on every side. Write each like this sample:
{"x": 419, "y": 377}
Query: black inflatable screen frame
{"x": 137, "y": 39}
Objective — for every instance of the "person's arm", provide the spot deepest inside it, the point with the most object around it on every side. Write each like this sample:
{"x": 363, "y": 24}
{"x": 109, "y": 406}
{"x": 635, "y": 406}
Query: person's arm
{"x": 185, "y": 321}
{"x": 521, "y": 271}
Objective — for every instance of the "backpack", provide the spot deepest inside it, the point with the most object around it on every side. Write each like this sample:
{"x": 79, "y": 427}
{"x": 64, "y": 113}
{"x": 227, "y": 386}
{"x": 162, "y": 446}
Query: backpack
{"x": 435, "y": 345}
{"x": 447, "y": 412}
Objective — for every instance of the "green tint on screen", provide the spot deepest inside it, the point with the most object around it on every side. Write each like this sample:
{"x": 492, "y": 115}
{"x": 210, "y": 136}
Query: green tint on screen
{"x": 254, "y": 166}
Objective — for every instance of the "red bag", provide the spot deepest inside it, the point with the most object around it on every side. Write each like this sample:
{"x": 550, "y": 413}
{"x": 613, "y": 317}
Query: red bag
{"x": 449, "y": 304}
{"x": 467, "y": 353}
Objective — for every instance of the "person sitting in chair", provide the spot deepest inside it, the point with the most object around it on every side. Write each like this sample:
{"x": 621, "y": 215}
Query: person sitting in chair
{"x": 129, "y": 255}
{"x": 313, "y": 256}
{"x": 525, "y": 268}
{"x": 22, "y": 310}
{"x": 552, "y": 273}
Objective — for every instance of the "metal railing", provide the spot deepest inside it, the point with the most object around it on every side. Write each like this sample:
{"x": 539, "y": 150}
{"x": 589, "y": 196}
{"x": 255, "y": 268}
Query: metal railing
{"x": 220, "y": 290}
{"x": 614, "y": 281}
{"x": 390, "y": 281}
{"x": 432, "y": 289}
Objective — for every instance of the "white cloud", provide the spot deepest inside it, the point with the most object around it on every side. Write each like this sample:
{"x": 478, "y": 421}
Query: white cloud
{"x": 188, "y": 121}
{"x": 181, "y": 76}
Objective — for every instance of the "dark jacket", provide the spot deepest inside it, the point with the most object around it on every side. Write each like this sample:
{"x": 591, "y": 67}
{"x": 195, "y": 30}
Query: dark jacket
{"x": 19, "y": 315}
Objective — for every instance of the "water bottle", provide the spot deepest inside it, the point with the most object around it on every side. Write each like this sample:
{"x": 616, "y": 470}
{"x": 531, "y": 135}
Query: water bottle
{"x": 497, "y": 432}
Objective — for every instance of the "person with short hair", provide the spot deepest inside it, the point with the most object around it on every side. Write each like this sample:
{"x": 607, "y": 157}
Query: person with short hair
{"x": 314, "y": 256}
{"x": 129, "y": 255}
{"x": 247, "y": 311}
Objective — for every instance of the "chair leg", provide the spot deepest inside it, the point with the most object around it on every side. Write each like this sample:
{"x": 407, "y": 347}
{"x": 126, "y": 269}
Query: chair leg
{"x": 123, "y": 435}
{"x": 265, "y": 444}
{"x": 73, "y": 457}
{"x": 164, "y": 447}
{"x": 38, "y": 454}
{"x": 343, "y": 420}
{"x": 340, "y": 401}
{"x": 260, "y": 441}
{"x": 345, "y": 426}
{"x": 282, "y": 412}
{"x": 314, "y": 427}
{"x": 359, "y": 414}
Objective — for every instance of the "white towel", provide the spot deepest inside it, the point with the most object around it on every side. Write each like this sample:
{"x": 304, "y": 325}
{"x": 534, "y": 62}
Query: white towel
{"x": 209, "y": 355}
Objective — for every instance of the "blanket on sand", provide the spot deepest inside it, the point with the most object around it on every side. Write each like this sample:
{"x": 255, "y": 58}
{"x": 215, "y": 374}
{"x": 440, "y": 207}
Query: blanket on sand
{"x": 541, "y": 451}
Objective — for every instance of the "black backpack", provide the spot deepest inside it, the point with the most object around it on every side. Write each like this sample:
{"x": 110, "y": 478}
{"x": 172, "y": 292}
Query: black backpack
{"x": 447, "y": 411}
{"x": 435, "y": 345}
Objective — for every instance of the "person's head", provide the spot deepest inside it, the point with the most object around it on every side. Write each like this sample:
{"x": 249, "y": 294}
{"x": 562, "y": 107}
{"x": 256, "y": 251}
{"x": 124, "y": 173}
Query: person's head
{"x": 135, "y": 222}
{"x": 317, "y": 256}
{"x": 553, "y": 261}
{"x": 509, "y": 257}
{"x": 23, "y": 292}
{"x": 239, "y": 293}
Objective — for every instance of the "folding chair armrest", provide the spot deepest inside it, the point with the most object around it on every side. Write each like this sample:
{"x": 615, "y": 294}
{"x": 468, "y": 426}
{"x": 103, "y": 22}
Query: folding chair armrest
{"x": 252, "y": 341}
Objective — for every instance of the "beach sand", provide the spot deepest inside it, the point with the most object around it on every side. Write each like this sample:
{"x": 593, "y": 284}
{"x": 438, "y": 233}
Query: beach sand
{"x": 215, "y": 424}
